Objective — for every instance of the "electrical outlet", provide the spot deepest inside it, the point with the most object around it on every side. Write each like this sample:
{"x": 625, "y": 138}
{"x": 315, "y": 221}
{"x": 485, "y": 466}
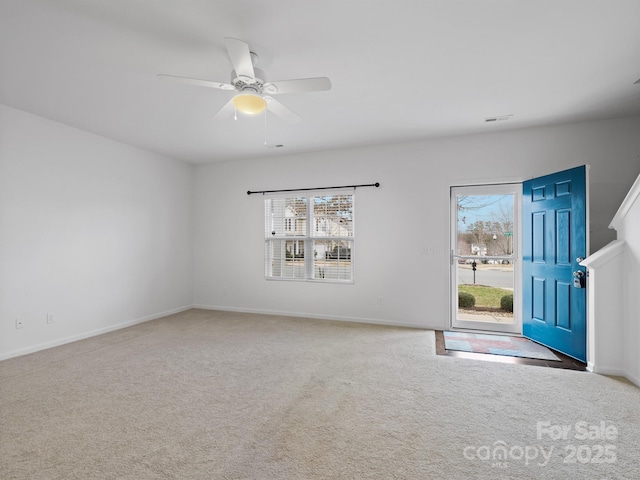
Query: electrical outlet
{"x": 49, "y": 317}
{"x": 19, "y": 323}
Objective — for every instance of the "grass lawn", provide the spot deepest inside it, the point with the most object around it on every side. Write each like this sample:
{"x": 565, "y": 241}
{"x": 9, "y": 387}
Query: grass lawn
{"x": 485, "y": 296}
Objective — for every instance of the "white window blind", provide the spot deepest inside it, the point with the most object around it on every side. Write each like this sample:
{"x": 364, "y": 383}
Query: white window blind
{"x": 310, "y": 237}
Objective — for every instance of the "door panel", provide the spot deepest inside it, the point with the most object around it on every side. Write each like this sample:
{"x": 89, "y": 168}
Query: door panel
{"x": 554, "y": 242}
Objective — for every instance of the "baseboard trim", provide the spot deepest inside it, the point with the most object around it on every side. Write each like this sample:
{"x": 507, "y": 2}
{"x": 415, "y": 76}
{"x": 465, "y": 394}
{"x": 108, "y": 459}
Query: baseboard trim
{"x": 600, "y": 370}
{"x": 339, "y": 318}
{"x": 632, "y": 378}
{"x": 614, "y": 372}
{"x": 89, "y": 334}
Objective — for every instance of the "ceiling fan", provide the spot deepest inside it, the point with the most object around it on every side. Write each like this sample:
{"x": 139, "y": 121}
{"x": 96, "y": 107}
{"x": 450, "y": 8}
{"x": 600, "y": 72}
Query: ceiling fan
{"x": 253, "y": 93}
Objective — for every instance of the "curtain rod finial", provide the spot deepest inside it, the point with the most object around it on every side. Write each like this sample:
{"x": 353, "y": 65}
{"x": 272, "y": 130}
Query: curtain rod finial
{"x": 377, "y": 184}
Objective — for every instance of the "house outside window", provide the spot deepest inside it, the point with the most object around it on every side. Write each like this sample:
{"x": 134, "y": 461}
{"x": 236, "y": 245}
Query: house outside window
{"x": 310, "y": 237}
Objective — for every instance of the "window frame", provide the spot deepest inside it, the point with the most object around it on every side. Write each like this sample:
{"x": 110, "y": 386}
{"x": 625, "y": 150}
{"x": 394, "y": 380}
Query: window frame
{"x": 310, "y": 225}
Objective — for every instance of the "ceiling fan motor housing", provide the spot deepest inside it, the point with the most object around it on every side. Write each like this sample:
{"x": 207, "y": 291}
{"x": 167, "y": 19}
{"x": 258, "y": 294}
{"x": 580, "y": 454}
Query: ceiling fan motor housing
{"x": 243, "y": 83}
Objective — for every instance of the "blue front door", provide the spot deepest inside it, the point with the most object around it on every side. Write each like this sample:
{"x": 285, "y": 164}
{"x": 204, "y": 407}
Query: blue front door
{"x": 554, "y": 241}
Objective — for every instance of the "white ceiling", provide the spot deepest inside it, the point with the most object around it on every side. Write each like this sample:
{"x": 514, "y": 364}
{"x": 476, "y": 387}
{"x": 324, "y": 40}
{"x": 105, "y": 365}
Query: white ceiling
{"x": 401, "y": 69}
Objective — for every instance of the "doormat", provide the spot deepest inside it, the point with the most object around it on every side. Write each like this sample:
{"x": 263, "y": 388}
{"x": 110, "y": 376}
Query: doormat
{"x": 497, "y": 345}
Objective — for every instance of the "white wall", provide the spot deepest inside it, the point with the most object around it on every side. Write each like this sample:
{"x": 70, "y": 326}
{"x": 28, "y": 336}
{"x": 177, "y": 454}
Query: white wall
{"x": 410, "y": 270}
{"x": 627, "y": 224}
{"x": 100, "y": 233}
{"x": 96, "y": 232}
{"x": 606, "y": 309}
{"x": 613, "y": 331}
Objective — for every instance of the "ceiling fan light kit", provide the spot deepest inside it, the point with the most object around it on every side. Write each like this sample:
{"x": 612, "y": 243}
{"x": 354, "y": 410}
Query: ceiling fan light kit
{"x": 250, "y": 86}
{"x": 249, "y": 103}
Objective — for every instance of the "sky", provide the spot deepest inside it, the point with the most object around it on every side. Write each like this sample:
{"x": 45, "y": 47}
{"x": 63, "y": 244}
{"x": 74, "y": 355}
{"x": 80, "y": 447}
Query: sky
{"x": 486, "y": 208}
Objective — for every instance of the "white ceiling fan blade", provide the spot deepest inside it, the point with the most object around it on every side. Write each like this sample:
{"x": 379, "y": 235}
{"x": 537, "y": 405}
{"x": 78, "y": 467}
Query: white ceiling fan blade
{"x": 317, "y": 84}
{"x": 196, "y": 81}
{"x": 226, "y": 110}
{"x": 283, "y": 112}
{"x": 240, "y": 57}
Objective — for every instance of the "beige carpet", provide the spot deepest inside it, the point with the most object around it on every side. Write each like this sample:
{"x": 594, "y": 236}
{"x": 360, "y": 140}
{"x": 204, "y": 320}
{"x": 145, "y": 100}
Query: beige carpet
{"x": 215, "y": 395}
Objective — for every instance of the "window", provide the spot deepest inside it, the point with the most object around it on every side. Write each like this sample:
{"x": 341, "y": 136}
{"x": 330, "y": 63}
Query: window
{"x": 309, "y": 237}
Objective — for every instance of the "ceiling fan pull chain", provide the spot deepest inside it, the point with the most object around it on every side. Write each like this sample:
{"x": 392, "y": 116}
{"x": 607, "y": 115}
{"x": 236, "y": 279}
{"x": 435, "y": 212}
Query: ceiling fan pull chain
{"x": 265, "y": 127}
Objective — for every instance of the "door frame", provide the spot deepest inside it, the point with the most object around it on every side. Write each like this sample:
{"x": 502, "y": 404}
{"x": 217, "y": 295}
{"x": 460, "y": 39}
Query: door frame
{"x": 514, "y": 188}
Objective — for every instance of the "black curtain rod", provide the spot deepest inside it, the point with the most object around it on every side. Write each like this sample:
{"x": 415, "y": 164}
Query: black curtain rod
{"x": 377, "y": 184}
